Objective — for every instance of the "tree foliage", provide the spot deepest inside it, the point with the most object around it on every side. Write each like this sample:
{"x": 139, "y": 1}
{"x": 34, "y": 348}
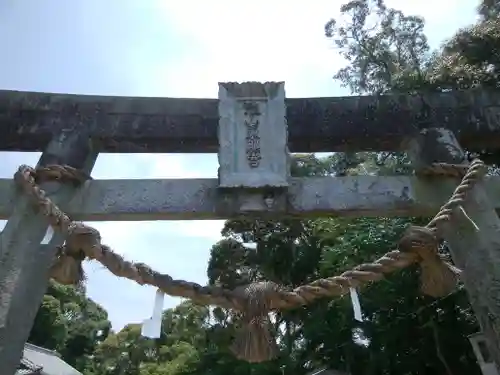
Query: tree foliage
{"x": 70, "y": 323}
{"x": 387, "y": 51}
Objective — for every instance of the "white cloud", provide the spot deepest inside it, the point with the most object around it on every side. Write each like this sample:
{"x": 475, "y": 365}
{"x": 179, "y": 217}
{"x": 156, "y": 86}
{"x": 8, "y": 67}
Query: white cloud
{"x": 274, "y": 40}
{"x": 236, "y": 41}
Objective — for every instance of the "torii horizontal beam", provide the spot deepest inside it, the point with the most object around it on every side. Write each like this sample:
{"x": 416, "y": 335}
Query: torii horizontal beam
{"x": 190, "y": 199}
{"x": 29, "y": 120}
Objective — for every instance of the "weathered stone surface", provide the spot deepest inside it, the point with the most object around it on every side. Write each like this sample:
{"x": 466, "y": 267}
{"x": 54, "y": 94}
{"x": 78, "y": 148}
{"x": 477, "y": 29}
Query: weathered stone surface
{"x": 126, "y": 124}
{"x": 477, "y": 253}
{"x": 190, "y": 199}
{"x": 24, "y": 262}
{"x": 253, "y": 135}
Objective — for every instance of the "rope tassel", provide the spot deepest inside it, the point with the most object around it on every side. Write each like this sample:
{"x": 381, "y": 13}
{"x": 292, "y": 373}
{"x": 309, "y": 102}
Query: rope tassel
{"x": 67, "y": 268}
{"x": 254, "y": 343}
{"x": 438, "y": 278}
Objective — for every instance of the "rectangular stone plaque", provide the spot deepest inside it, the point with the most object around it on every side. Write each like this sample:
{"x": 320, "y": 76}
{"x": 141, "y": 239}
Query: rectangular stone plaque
{"x": 253, "y": 136}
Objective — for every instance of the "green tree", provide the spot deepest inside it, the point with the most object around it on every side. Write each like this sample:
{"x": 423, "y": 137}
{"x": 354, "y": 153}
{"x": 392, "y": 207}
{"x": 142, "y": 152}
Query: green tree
{"x": 292, "y": 252}
{"x": 489, "y": 9}
{"x": 70, "y": 323}
{"x": 175, "y": 352}
{"x": 387, "y": 52}
{"x": 471, "y": 59}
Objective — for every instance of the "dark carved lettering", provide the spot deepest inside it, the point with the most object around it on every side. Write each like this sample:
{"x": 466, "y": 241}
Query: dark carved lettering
{"x": 252, "y": 138}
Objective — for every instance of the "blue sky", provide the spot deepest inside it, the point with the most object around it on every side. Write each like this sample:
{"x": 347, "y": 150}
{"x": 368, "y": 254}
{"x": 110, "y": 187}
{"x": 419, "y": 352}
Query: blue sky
{"x": 173, "y": 49}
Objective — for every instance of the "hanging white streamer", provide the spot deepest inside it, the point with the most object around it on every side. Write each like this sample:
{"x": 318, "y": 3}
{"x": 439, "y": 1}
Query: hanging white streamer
{"x": 152, "y": 327}
{"x": 356, "y": 305}
{"x": 48, "y": 236}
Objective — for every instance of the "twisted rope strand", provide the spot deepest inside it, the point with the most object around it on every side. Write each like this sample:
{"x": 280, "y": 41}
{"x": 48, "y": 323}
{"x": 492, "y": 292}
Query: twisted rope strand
{"x": 418, "y": 244}
{"x": 84, "y": 241}
{"x": 473, "y": 174}
{"x": 337, "y": 286}
{"x": 332, "y": 286}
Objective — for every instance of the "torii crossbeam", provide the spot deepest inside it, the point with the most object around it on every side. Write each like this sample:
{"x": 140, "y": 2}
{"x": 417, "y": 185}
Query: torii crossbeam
{"x": 253, "y": 128}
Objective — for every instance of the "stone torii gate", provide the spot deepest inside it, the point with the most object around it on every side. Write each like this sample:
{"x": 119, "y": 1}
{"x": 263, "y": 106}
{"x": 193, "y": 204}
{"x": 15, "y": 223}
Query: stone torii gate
{"x": 252, "y": 127}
